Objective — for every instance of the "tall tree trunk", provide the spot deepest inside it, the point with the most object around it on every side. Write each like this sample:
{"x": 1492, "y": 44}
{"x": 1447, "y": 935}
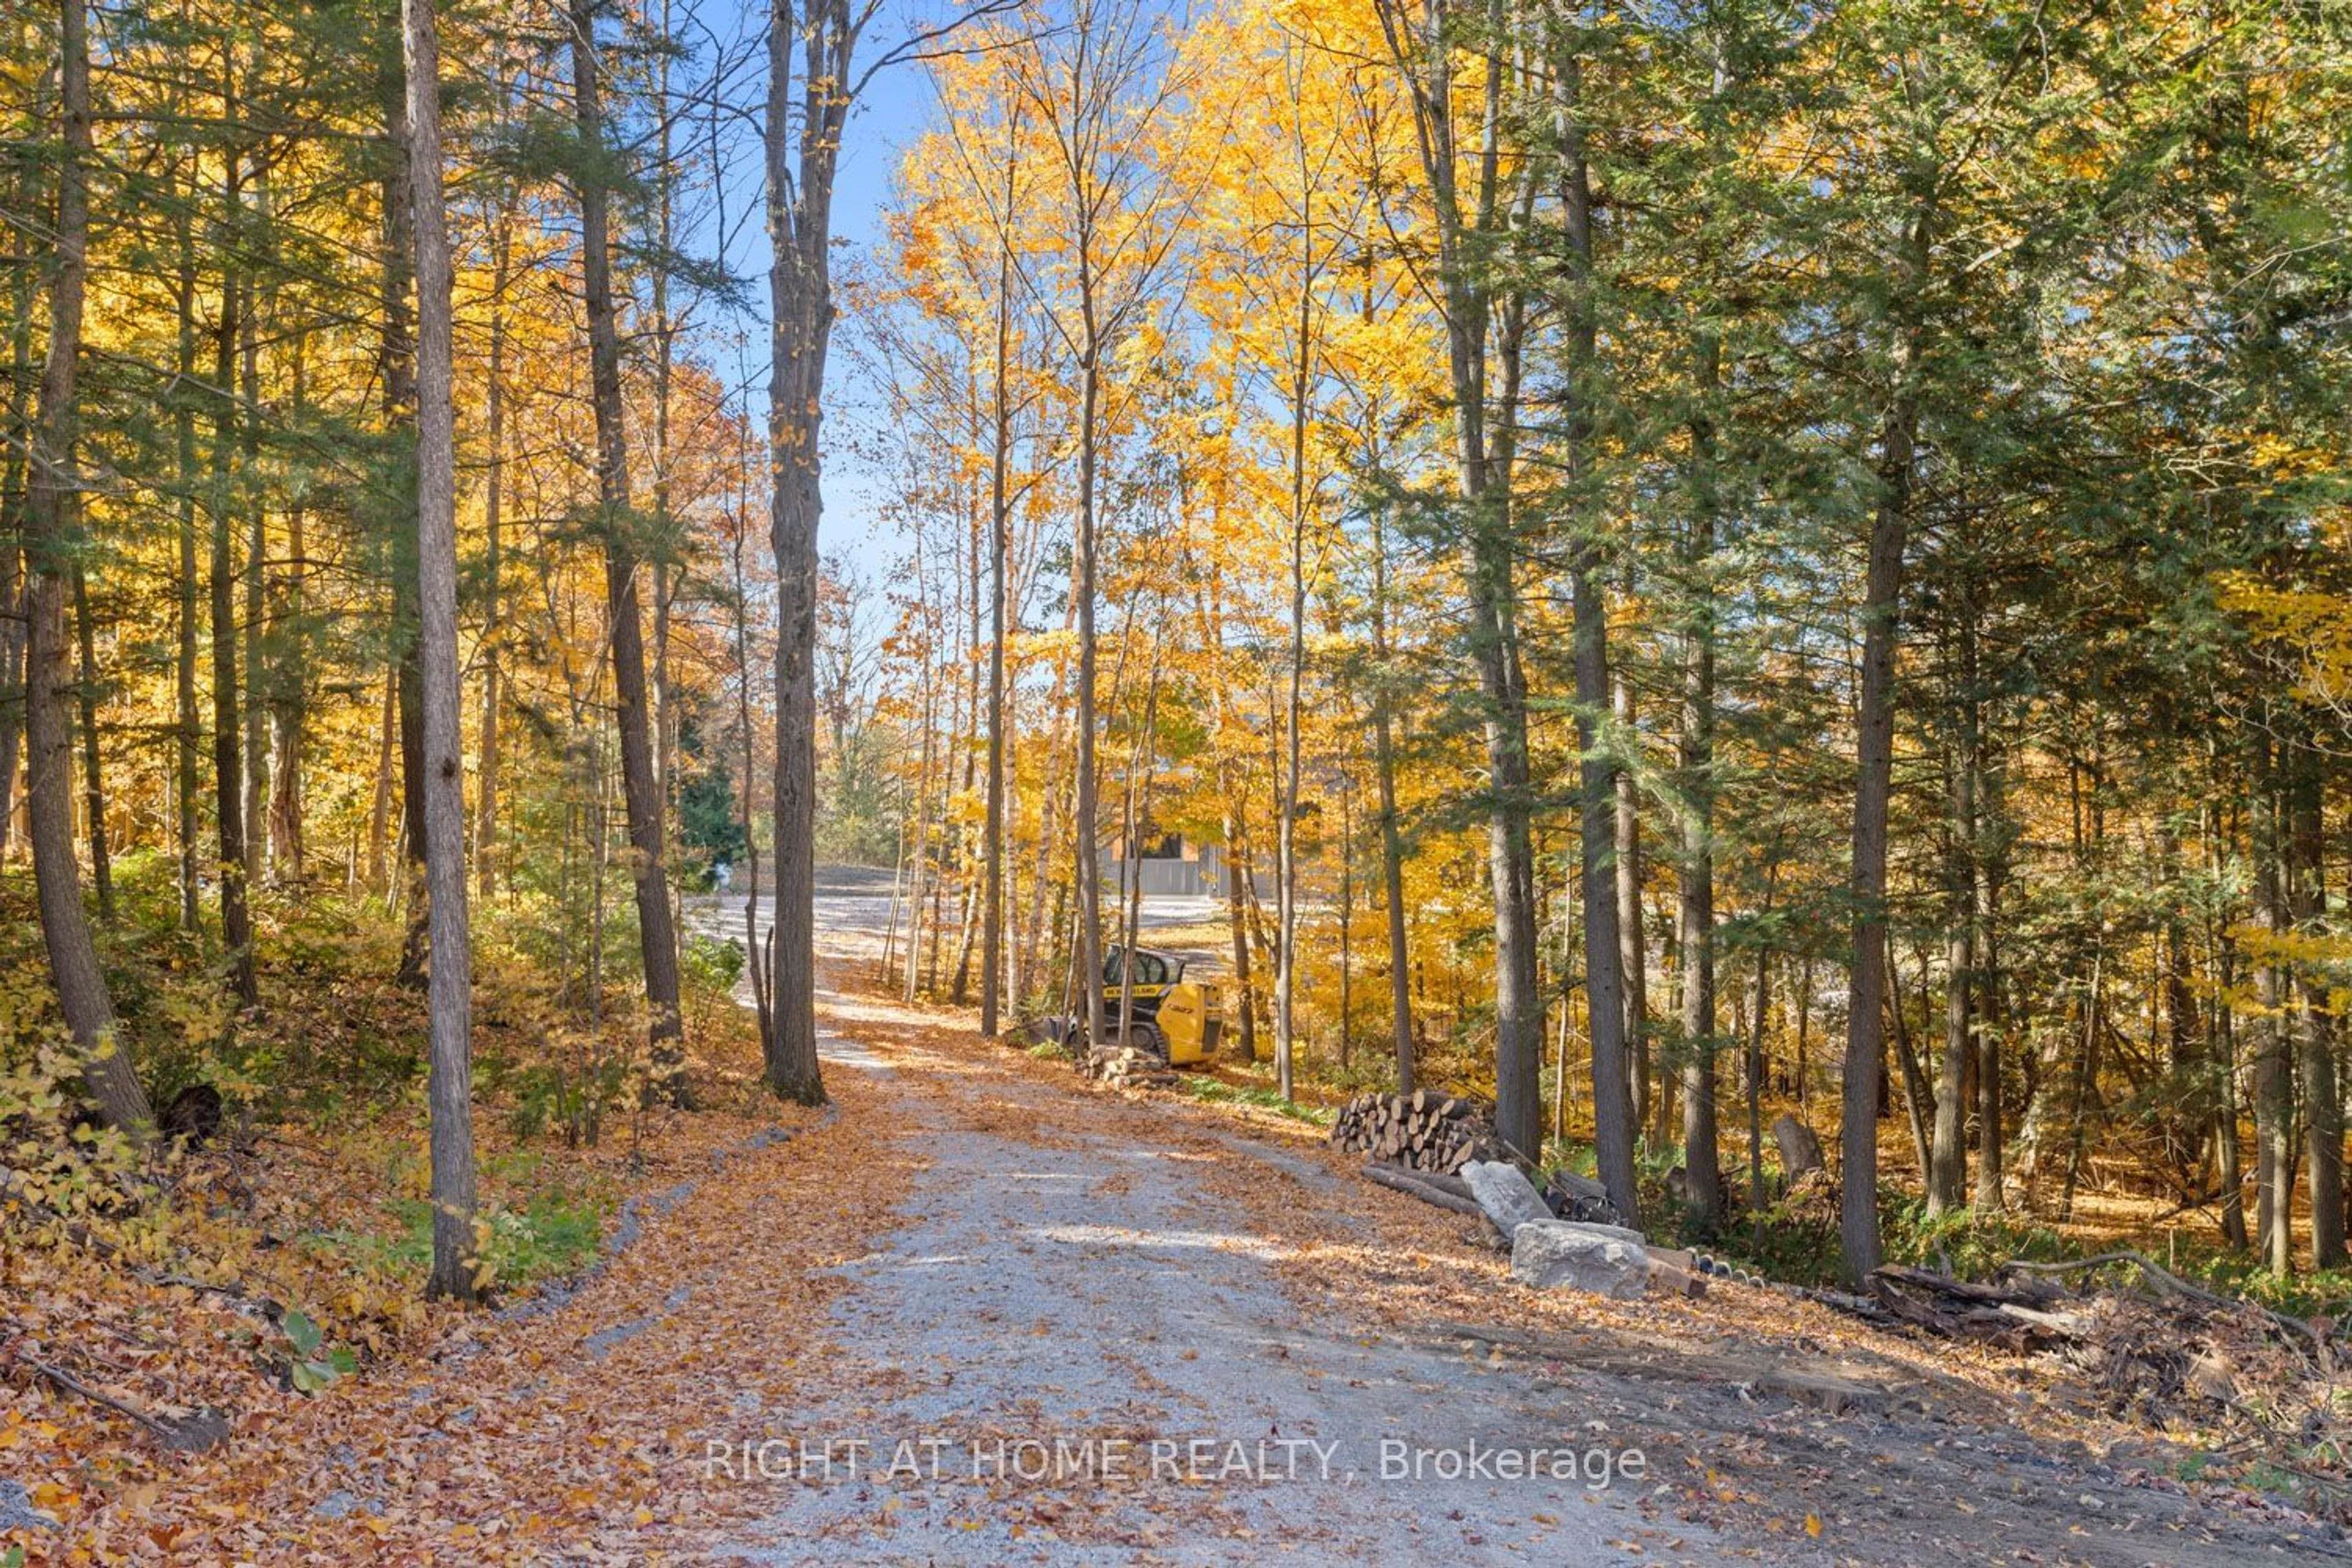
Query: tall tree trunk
{"x": 641, "y": 796}
{"x": 397, "y": 351}
{"x": 449, "y": 1006}
{"x": 2274, "y": 1072}
{"x": 255, "y": 745}
{"x": 1424, "y": 46}
{"x": 380, "y": 810}
{"x": 1604, "y": 985}
{"x": 101, "y": 866}
{"x": 1286, "y": 980}
{"x": 800, "y": 228}
{"x": 228, "y": 772}
{"x": 14, "y": 480}
{"x": 999, "y": 544}
{"x": 1985, "y": 954}
{"x": 51, "y": 503}
{"x": 1947, "y": 1154}
{"x": 1391, "y": 835}
{"x": 1084, "y": 837}
{"x": 185, "y": 743}
{"x": 1651, "y": 1099}
{"x": 1865, "y": 1044}
{"x": 1695, "y": 871}
{"x": 2315, "y": 1019}
{"x": 288, "y": 704}
{"x": 486, "y": 804}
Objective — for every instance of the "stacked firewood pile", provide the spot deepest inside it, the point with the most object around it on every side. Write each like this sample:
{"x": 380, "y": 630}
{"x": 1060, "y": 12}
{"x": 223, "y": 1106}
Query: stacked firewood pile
{"x": 1124, "y": 1067}
{"x": 1419, "y": 1132}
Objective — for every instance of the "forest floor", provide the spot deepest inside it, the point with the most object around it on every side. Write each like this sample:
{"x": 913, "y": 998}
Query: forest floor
{"x": 1026, "y": 1319}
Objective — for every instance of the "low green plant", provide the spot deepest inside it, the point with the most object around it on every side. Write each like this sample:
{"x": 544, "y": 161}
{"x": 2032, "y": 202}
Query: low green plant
{"x": 1217, "y": 1091}
{"x": 311, "y": 1363}
{"x": 553, "y": 1234}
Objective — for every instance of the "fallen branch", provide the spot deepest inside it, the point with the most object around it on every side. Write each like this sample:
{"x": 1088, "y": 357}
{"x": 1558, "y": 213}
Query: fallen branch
{"x": 1843, "y": 1387}
{"x": 181, "y": 1434}
{"x": 2168, "y": 1283}
{"x": 1408, "y": 1183}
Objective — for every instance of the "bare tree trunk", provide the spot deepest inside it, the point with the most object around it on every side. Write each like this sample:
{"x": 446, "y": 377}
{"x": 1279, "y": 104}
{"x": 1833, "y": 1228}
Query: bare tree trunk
{"x": 185, "y": 774}
{"x": 1696, "y": 872}
{"x": 14, "y": 480}
{"x": 1285, "y": 885}
{"x": 1653, "y": 1093}
{"x": 450, "y": 1002}
{"x": 1865, "y": 1043}
{"x": 800, "y": 228}
{"x": 256, "y": 744}
{"x": 101, "y": 867}
{"x": 485, "y": 805}
{"x": 2323, "y": 1116}
{"x": 289, "y": 706}
{"x": 1985, "y": 956}
{"x": 228, "y": 772}
{"x": 380, "y": 811}
{"x": 1000, "y": 542}
{"x": 641, "y": 797}
{"x": 1083, "y": 835}
{"x": 1392, "y": 836}
{"x": 2274, "y": 1071}
{"x": 398, "y": 360}
{"x": 51, "y": 502}
{"x": 1604, "y": 964}
{"x": 1947, "y": 1172}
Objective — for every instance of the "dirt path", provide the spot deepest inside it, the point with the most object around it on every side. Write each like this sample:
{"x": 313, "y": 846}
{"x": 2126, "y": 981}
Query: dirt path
{"x": 1092, "y": 1360}
{"x": 1242, "y": 1352}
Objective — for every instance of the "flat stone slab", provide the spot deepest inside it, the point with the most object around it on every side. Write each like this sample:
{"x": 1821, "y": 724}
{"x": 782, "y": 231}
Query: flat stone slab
{"x": 1503, "y": 1192}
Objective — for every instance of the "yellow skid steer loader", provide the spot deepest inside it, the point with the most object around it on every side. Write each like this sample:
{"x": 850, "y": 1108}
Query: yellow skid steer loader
{"x": 1170, "y": 1016}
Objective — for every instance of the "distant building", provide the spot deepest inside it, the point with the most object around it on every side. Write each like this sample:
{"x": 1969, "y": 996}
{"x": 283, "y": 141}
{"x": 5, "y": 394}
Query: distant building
{"x": 1169, "y": 864}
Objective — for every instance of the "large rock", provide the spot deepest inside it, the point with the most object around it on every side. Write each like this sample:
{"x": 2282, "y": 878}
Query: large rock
{"x": 1503, "y": 1192}
{"x": 1555, "y": 1255}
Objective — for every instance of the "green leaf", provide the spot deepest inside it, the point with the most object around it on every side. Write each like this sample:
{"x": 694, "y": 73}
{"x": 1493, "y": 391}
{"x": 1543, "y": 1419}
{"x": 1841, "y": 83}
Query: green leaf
{"x": 302, "y": 1334}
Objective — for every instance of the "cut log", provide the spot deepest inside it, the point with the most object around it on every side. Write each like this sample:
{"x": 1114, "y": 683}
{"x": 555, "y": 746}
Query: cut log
{"x": 1414, "y": 1185}
{"x": 1800, "y": 1151}
{"x": 1127, "y": 1068}
{"x": 2014, "y": 1315}
{"x": 1420, "y": 1131}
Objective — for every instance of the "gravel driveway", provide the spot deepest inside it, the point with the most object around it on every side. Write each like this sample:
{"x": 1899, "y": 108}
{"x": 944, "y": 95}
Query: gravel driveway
{"x": 1088, "y": 1364}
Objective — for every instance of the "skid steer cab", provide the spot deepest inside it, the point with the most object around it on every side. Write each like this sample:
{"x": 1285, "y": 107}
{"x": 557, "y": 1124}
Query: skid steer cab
{"x": 1172, "y": 1017}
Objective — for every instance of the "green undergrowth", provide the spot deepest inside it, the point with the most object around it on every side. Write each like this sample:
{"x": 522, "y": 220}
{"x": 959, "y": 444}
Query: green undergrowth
{"x": 1217, "y": 1091}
